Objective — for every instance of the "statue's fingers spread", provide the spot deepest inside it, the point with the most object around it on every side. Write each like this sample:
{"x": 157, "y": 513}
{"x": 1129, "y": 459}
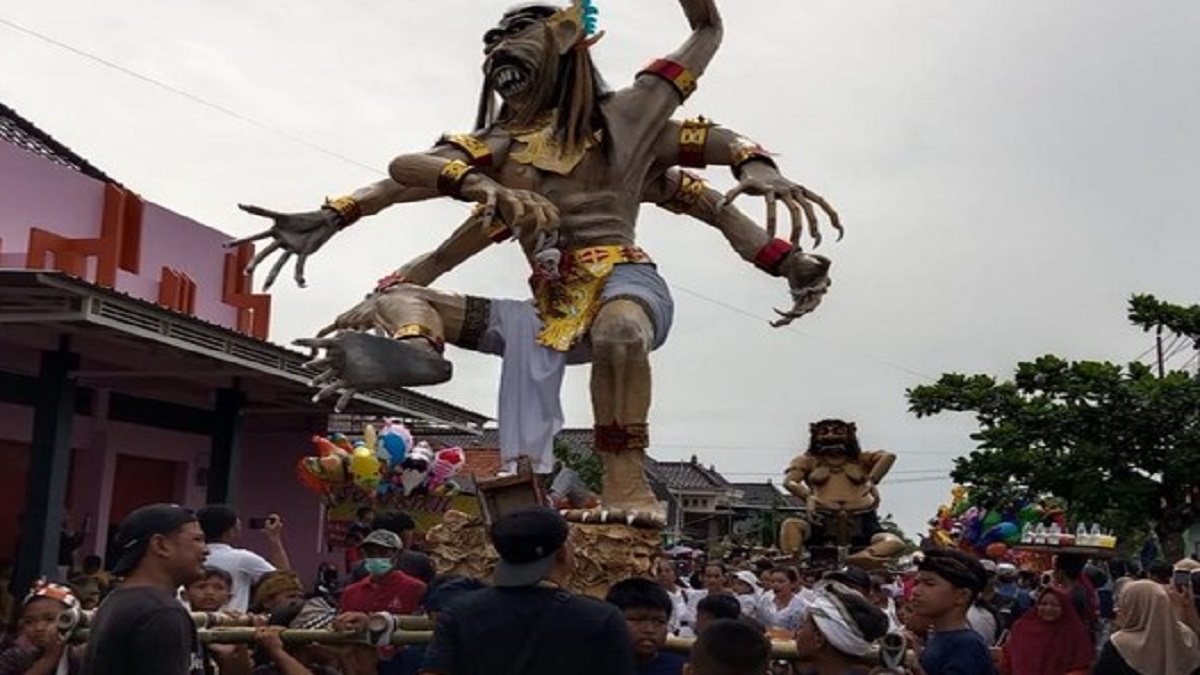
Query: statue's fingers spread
{"x": 252, "y": 238}
{"x": 301, "y": 259}
{"x": 287, "y": 255}
{"x": 262, "y": 255}
{"x": 735, "y": 193}
{"x": 797, "y": 219}
{"x": 518, "y": 206}
{"x": 814, "y": 228}
{"x": 324, "y": 378}
{"x": 320, "y": 364}
{"x": 347, "y": 396}
{"x": 259, "y": 211}
{"x": 489, "y": 211}
{"x": 329, "y": 390}
{"x": 317, "y": 342}
{"x": 835, "y": 220}
{"x": 328, "y": 329}
{"x": 772, "y": 214}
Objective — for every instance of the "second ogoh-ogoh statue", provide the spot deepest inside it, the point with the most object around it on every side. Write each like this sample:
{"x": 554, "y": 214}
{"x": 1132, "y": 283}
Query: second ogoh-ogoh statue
{"x": 561, "y": 165}
{"x": 839, "y": 484}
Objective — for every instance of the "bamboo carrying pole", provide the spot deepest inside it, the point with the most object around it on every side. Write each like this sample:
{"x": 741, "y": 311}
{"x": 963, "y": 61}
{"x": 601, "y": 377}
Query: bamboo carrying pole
{"x": 220, "y": 628}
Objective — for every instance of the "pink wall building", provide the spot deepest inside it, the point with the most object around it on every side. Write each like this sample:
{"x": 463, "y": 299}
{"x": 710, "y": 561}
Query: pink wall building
{"x": 134, "y": 367}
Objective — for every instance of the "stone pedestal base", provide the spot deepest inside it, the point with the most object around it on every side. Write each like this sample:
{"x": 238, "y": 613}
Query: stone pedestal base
{"x": 604, "y": 553}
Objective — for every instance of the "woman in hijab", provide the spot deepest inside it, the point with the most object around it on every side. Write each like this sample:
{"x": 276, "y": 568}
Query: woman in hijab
{"x": 1152, "y": 639}
{"x": 1050, "y": 640}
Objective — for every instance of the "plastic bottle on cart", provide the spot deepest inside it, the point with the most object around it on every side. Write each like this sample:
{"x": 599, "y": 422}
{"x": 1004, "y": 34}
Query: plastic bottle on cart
{"x": 1027, "y": 534}
{"x": 1081, "y": 535}
{"x": 1054, "y": 537}
{"x": 1096, "y": 536}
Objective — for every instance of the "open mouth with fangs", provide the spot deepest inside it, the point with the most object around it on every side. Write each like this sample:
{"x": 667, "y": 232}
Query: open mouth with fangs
{"x": 509, "y": 76}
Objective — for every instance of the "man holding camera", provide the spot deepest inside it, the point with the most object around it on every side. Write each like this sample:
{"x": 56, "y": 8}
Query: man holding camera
{"x": 222, "y": 527}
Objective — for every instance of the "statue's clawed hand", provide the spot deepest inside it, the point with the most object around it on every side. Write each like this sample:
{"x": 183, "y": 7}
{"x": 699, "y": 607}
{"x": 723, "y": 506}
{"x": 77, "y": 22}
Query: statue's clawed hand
{"x": 808, "y": 281}
{"x": 520, "y": 209}
{"x": 763, "y": 180}
{"x": 291, "y": 234}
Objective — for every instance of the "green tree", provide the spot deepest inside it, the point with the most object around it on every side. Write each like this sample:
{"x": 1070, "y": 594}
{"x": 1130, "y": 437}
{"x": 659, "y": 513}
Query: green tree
{"x": 587, "y": 464}
{"x": 1119, "y": 444}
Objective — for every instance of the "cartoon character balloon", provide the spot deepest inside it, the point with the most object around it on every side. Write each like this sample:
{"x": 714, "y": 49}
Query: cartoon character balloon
{"x": 415, "y": 467}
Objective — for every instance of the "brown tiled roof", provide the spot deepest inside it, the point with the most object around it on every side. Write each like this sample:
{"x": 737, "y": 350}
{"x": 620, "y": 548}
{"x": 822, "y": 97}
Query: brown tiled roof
{"x": 24, "y": 134}
{"x": 690, "y": 476}
{"x": 765, "y": 496}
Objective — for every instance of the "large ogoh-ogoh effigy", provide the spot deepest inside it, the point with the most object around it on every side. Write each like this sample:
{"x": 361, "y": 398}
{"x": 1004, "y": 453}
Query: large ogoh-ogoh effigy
{"x": 560, "y": 164}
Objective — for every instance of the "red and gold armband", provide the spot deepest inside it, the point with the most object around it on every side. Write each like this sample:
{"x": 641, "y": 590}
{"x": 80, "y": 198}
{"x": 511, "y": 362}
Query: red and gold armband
{"x": 676, "y": 73}
{"x": 348, "y": 210}
{"x": 691, "y": 188}
{"x": 693, "y": 141}
{"x": 771, "y": 256}
{"x": 745, "y": 153}
{"x": 451, "y": 178}
{"x": 477, "y": 150}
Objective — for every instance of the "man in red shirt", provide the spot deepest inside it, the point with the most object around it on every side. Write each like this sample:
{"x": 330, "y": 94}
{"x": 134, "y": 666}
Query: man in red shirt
{"x": 385, "y": 588}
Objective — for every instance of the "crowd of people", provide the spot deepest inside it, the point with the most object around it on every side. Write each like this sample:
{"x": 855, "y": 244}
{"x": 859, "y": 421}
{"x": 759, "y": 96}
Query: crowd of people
{"x": 951, "y": 613}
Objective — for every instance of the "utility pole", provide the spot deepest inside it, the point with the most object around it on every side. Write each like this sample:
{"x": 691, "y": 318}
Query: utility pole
{"x": 1158, "y": 346}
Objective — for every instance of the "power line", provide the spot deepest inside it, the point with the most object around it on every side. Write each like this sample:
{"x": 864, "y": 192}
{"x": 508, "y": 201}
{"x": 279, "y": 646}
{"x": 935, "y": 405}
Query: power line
{"x": 190, "y": 96}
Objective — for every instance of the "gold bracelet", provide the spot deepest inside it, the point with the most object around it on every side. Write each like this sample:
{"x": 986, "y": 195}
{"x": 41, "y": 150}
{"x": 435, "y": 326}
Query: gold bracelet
{"x": 688, "y": 194}
{"x": 347, "y": 208}
{"x": 416, "y": 330}
{"x": 451, "y": 178}
{"x": 746, "y": 153}
{"x": 693, "y": 141}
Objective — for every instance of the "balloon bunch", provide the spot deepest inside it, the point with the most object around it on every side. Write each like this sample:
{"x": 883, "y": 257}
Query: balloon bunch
{"x": 381, "y": 463}
{"x": 989, "y": 530}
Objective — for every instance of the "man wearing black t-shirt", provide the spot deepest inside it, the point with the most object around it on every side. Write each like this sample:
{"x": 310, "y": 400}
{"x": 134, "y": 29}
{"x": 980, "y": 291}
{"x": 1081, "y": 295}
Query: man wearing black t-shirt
{"x": 527, "y": 624}
{"x": 141, "y": 628}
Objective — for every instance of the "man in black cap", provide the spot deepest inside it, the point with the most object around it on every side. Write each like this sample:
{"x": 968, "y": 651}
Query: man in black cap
{"x": 141, "y": 627}
{"x": 527, "y": 623}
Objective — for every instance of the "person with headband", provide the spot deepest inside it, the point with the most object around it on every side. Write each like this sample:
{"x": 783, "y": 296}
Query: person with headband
{"x": 40, "y": 648}
{"x": 840, "y": 630}
{"x": 948, "y": 583}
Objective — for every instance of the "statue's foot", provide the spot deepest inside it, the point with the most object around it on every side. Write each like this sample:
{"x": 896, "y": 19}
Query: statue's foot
{"x": 363, "y": 361}
{"x": 602, "y": 515}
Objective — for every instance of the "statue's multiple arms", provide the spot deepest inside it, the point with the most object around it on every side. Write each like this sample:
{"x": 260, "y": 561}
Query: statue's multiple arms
{"x": 807, "y": 274}
{"x": 303, "y": 234}
{"x": 699, "y": 143}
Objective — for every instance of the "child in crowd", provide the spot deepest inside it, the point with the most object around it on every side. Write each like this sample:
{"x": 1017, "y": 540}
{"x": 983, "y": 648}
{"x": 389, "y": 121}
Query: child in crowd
{"x": 647, "y": 610}
{"x": 713, "y": 607}
{"x": 729, "y": 647}
{"x": 39, "y": 650}
{"x": 948, "y": 582}
{"x": 211, "y": 592}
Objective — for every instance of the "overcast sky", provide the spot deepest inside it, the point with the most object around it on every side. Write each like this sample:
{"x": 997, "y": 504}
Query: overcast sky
{"x": 1008, "y": 173}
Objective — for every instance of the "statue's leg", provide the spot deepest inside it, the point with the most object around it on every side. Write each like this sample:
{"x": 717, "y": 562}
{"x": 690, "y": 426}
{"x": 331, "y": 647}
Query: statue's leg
{"x": 621, "y": 338}
{"x": 793, "y": 532}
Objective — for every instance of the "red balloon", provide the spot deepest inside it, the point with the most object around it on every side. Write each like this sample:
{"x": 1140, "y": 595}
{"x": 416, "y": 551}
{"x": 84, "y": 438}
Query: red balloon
{"x": 996, "y": 550}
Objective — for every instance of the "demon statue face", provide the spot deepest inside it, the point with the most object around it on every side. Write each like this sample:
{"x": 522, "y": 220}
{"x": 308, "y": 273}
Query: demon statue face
{"x": 537, "y": 59}
{"x": 834, "y": 438}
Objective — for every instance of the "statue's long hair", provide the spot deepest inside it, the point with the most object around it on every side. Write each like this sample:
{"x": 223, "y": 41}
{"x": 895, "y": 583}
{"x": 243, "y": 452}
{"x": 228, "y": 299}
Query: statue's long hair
{"x": 578, "y": 91}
